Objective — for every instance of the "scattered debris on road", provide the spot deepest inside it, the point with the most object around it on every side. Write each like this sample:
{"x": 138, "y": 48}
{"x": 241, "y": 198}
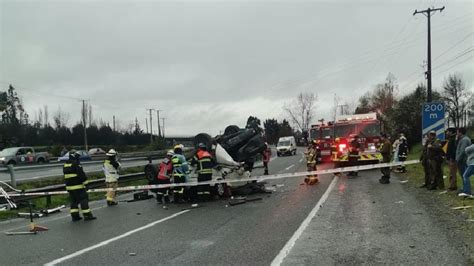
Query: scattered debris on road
{"x": 443, "y": 192}
{"x": 399, "y": 202}
{"x": 132, "y": 254}
{"x": 241, "y": 200}
{"x": 20, "y": 233}
{"x": 403, "y": 181}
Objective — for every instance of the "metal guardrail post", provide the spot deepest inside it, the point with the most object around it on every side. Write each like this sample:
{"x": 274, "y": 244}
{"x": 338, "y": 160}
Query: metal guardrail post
{"x": 11, "y": 170}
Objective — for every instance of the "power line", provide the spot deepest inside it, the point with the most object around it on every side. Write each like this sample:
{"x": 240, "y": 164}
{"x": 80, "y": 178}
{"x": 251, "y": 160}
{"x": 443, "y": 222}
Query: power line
{"x": 452, "y": 47}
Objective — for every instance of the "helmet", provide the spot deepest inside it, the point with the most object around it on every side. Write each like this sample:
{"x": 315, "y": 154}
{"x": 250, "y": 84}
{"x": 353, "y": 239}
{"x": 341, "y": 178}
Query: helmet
{"x": 74, "y": 155}
{"x": 170, "y": 153}
{"x": 178, "y": 149}
{"x": 111, "y": 152}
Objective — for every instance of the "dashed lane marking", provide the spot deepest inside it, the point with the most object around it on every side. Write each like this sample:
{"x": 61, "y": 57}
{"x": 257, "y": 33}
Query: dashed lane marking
{"x": 106, "y": 242}
{"x": 289, "y": 167}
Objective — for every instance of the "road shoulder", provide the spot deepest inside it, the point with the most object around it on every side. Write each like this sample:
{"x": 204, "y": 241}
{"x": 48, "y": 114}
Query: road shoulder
{"x": 366, "y": 222}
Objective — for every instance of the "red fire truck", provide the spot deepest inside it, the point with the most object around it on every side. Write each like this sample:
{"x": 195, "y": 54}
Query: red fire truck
{"x": 334, "y": 138}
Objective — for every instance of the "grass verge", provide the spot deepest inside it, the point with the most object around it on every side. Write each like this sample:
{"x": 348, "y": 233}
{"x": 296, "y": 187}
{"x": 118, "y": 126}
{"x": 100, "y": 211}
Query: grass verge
{"x": 441, "y": 199}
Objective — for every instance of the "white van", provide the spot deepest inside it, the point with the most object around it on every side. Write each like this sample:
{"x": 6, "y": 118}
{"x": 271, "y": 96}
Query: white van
{"x": 286, "y": 145}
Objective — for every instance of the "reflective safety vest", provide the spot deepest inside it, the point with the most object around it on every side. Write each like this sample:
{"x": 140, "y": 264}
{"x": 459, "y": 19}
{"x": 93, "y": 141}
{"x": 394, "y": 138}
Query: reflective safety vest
{"x": 177, "y": 164}
{"x": 74, "y": 176}
{"x": 166, "y": 169}
{"x": 205, "y": 164}
{"x": 111, "y": 171}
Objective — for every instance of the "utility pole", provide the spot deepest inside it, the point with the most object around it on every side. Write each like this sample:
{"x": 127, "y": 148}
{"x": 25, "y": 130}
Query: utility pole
{"x": 158, "y": 119}
{"x": 114, "y": 122}
{"x": 146, "y": 123}
{"x": 427, "y": 13}
{"x": 84, "y": 114}
{"x": 163, "y": 119}
{"x": 151, "y": 125}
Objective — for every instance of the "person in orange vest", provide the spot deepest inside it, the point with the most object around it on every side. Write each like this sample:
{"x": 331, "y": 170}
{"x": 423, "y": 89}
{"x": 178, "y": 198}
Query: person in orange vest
{"x": 163, "y": 177}
{"x": 267, "y": 153}
{"x": 204, "y": 162}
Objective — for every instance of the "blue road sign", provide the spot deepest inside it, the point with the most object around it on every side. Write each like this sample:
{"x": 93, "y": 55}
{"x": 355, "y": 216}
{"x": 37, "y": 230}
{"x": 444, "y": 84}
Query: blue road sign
{"x": 433, "y": 118}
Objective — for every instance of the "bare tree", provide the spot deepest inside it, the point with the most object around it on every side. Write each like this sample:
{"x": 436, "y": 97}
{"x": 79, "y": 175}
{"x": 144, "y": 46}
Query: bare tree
{"x": 457, "y": 99}
{"x": 301, "y": 110}
{"x": 60, "y": 118}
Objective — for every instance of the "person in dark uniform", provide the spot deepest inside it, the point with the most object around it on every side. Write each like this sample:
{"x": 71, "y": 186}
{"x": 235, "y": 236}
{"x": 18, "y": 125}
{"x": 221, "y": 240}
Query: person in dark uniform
{"x": 451, "y": 158}
{"x": 424, "y": 162}
{"x": 76, "y": 180}
{"x": 354, "y": 149}
{"x": 204, "y": 162}
{"x": 386, "y": 151}
{"x": 435, "y": 160}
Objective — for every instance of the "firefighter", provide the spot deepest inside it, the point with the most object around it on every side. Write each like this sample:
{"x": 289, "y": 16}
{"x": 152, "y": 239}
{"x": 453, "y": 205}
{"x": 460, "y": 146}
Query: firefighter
{"x": 204, "y": 162}
{"x": 402, "y": 152}
{"x": 180, "y": 170}
{"x": 111, "y": 170}
{"x": 435, "y": 160}
{"x": 311, "y": 163}
{"x": 266, "y": 154}
{"x": 354, "y": 148}
{"x": 386, "y": 151}
{"x": 76, "y": 180}
{"x": 425, "y": 163}
{"x": 163, "y": 177}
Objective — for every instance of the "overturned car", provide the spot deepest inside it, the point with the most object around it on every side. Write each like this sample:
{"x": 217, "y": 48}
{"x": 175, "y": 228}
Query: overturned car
{"x": 235, "y": 153}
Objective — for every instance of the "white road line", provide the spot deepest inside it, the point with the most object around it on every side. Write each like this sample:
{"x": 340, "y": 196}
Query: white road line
{"x": 289, "y": 167}
{"x": 278, "y": 260}
{"x": 106, "y": 242}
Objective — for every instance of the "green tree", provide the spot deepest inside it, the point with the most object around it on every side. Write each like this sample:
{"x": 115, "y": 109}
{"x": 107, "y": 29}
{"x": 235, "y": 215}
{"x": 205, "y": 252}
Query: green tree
{"x": 272, "y": 129}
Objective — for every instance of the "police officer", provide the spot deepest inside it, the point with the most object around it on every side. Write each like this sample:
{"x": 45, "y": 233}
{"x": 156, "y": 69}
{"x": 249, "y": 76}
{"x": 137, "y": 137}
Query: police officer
{"x": 180, "y": 170}
{"x": 204, "y": 162}
{"x": 75, "y": 180}
{"x": 386, "y": 151}
{"x": 435, "y": 160}
{"x": 111, "y": 169}
{"x": 402, "y": 152}
{"x": 425, "y": 163}
{"x": 354, "y": 148}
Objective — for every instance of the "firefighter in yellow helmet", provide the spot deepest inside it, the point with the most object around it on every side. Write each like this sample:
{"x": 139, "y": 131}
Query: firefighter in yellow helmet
{"x": 311, "y": 163}
{"x": 180, "y": 172}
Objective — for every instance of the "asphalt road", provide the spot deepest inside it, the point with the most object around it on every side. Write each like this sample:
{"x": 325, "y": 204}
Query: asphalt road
{"x": 57, "y": 170}
{"x": 351, "y": 224}
{"x": 252, "y": 233}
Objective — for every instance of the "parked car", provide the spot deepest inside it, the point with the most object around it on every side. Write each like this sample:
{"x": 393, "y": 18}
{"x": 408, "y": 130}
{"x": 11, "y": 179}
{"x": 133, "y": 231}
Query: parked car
{"x": 96, "y": 151}
{"x": 84, "y": 156}
{"x": 22, "y": 155}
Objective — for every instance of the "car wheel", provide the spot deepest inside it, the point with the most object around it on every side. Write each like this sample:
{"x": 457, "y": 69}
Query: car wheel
{"x": 278, "y": 154}
{"x": 41, "y": 161}
{"x": 231, "y": 130}
{"x": 203, "y": 138}
{"x": 220, "y": 190}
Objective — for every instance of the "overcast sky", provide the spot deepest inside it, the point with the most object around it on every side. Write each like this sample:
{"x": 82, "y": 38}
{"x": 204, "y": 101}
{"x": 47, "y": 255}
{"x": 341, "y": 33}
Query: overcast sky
{"x": 211, "y": 64}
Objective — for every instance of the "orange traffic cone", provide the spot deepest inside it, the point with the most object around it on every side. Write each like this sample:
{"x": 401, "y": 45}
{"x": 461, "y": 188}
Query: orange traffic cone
{"x": 37, "y": 228}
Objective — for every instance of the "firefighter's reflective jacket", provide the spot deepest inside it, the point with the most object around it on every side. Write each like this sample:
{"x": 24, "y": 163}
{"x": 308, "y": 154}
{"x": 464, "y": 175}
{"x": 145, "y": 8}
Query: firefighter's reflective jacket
{"x": 180, "y": 166}
{"x": 74, "y": 176}
{"x": 111, "y": 170}
{"x": 166, "y": 170}
{"x": 204, "y": 161}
